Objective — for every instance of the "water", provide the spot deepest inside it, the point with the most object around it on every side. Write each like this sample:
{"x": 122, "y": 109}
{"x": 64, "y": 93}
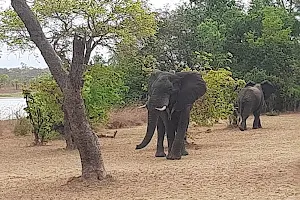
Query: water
{"x": 11, "y": 107}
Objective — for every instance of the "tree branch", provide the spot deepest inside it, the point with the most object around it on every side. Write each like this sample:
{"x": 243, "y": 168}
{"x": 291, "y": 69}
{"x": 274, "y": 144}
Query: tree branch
{"x": 78, "y": 66}
{"x": 38, "y": 37}
{"x": 88, "y": 51}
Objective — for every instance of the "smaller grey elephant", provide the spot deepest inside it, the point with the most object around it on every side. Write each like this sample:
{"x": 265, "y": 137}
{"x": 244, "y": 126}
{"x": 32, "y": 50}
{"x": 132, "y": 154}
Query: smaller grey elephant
{"x": 251, "y": 100}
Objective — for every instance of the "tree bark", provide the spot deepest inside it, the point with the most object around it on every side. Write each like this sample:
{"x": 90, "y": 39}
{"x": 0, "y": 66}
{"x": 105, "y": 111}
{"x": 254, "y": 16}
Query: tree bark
{"x": 70, "y": 84}
{"x": 70, "y": 143}
{"x": 85, "y": 139}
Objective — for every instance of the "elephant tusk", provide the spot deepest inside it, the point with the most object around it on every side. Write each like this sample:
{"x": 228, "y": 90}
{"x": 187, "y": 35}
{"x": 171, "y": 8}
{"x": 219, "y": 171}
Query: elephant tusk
{"x": 143, "y": 106}
{"x": 161, "y": 109}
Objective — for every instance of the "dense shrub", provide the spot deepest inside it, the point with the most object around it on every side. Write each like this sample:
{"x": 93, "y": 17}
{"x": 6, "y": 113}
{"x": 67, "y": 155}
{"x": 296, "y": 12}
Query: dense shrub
{"x": 136, "y": 70}
{"x": 44, "y": 106}
{"x": 103, "y": 89}
{"x": 218, "y": 101}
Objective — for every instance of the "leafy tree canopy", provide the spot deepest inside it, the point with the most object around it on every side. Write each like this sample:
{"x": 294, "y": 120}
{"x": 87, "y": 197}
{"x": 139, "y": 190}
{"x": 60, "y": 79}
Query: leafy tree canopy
{"x": 104, "y": 23}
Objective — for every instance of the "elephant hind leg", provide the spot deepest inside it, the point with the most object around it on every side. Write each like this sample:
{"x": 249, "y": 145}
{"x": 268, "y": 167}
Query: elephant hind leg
{"x": 245, "y": 113}
{"x": 243, "y": 125}
{"x": 259, "y": 123}
{"x": 256, "y": 122}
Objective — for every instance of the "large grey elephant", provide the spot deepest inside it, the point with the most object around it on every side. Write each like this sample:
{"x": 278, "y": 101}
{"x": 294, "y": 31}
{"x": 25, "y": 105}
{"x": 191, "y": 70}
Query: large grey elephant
{"x": 251, "y": 100}
{"x": 171, "y": 96}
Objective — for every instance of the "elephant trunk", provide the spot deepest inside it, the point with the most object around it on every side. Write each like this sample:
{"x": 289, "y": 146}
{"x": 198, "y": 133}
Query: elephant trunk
{"x": 152, "y": 123}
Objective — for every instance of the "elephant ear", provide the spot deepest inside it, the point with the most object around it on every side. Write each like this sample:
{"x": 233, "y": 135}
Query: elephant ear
{"x": 192, "y": 87}
{"x": 250, "y": 83}
{"x": 267, "y": 88}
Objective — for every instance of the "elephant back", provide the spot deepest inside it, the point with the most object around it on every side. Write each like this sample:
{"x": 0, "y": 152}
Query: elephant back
{"x": 250, "y": 97}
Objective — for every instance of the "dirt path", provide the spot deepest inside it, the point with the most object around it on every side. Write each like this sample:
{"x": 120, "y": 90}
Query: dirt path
{"x": 224, "y": 164}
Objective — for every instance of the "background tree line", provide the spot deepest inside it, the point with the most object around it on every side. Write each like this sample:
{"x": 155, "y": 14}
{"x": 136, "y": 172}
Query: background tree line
{"x": 15, "y": 77}
{"x": 257, "y": 44}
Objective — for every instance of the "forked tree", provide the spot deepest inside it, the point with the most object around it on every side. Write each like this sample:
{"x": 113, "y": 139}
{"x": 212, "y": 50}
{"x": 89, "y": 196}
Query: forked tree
{"x": 70, "y": 81}
{"x": 99, "y": 23}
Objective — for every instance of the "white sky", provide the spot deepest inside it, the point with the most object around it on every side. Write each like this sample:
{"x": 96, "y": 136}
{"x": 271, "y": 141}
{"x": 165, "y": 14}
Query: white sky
{"x": 9, "y": 59}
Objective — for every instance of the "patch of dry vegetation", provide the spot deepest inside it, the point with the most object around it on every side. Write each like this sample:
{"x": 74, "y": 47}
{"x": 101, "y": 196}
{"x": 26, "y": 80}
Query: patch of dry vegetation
{"x": 127, "y": 117}
{"x": 7, "y": 127}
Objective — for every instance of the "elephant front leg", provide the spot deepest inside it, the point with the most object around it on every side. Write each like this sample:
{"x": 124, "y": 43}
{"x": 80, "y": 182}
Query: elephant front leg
{"x": 171, "y": 129}
{"x": 178, "y": 143}
{"x": 160, "y": 152}
{"x": 170, "y": 138}
{"x": 184, "y": 152}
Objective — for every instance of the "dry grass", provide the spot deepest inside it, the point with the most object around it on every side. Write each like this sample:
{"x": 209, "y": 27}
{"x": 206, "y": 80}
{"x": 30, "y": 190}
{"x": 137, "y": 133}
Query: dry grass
{"x": 223, "y": 164}
{"x": 7, "y": 128}
{"x": 127, "y": 117}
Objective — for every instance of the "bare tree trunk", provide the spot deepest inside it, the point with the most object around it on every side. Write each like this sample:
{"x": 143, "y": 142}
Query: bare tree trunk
{"x": 70, "y": 84}
{"x": 85, "y": 139}
{"x": 70, "y": 143}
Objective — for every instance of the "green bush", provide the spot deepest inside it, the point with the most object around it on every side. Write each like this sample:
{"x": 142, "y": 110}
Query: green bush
{"x": 103, "y": 89}
{"x": 136, "y": 70}
{"x": 219, "y": 99}
{"x": 44, "y": 106}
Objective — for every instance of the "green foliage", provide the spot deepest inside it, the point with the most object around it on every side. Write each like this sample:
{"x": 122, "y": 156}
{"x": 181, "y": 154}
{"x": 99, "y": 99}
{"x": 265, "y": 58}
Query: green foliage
{"x": 22, "y": 75}
{"x": 211, "y": 35}
{"x": 261, "y": 44}
{"x": 3, "y": 79}
{"x": 103, "y": 88}
{"x": 105, "y": 23}
{"x": 219, "y": 99}
{"x": 44, "y": 100}
{"x": 259, "y": 75}
{"x": 208, "y": 60}
{"x": 136, "y": 69}
{"x": 10, "y": 32}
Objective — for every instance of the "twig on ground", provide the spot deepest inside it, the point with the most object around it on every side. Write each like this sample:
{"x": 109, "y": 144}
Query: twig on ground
{"x": 107, "y": 136}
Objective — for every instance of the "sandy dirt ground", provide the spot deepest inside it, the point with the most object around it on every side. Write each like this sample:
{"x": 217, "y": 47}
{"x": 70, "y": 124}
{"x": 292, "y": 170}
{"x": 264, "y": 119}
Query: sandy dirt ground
{"x": 223, "y": 164}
